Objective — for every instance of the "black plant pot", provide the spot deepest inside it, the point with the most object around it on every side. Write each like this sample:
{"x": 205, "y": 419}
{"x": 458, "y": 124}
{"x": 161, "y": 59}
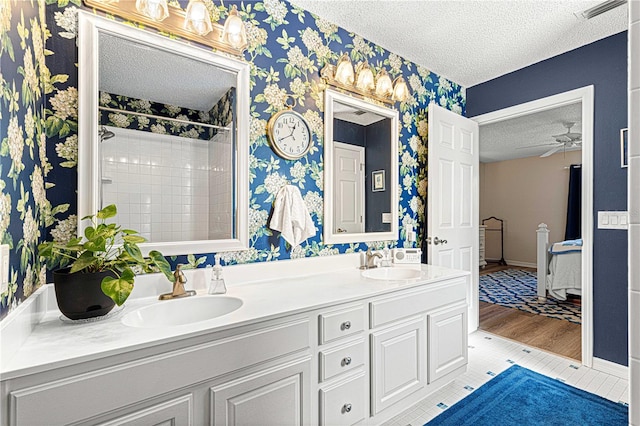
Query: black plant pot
{"x": 80, "y": 296}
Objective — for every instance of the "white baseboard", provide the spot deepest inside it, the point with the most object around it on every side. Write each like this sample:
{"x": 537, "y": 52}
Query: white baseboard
{"x": 515, "y": 263}
{"x": 612, "y": 368}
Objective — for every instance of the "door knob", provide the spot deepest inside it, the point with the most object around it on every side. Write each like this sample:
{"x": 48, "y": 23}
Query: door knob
{"x": 435, "y": 241}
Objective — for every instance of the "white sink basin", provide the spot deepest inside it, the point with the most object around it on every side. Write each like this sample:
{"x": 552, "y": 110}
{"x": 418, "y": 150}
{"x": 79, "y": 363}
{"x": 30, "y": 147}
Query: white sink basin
{"x": 181, "y": 311}
{"x": 391, "y": 274}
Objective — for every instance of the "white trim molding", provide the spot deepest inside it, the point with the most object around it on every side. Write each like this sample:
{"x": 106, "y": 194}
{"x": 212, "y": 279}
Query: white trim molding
{"x": 621, "y": 371}
{"x": 585, "y": 96}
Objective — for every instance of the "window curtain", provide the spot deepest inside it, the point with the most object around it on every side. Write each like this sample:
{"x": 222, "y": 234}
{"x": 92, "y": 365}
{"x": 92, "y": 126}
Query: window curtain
{"x": 574, "y": 204}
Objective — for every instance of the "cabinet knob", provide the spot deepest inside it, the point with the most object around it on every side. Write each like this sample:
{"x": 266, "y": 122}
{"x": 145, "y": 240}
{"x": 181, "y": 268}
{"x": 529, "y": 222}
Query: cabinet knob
{"x": 346, "y": 360}
{"x": 346, "y": 408}
{"x": 346, "y": 325}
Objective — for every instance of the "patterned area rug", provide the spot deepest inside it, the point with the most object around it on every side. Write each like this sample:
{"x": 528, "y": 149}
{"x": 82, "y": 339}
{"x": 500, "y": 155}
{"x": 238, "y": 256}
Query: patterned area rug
{"x": 514, "y": 288}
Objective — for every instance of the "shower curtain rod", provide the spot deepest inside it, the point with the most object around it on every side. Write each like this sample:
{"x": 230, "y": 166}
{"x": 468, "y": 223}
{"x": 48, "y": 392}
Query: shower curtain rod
{"x": 158, "y": 117}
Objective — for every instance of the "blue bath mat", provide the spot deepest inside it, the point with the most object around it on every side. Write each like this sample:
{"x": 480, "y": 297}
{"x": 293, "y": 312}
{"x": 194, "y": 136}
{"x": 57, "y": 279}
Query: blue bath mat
{"x": 521, "y": 397}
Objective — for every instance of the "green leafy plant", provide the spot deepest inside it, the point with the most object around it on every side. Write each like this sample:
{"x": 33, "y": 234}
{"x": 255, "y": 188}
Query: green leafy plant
{"x": 106, "y": 247}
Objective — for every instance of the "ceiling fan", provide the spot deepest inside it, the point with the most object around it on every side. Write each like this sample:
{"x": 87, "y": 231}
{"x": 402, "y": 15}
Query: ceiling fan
{"x": 562, "y": 141}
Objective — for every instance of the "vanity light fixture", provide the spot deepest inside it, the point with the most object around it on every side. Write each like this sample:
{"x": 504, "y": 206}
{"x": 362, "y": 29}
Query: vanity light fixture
{"x": 193, "y": 24}
{"x": 380, "y": 87}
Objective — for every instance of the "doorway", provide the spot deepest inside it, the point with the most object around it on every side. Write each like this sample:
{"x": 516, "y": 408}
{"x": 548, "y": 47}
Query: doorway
{"x": 585, "y": 97}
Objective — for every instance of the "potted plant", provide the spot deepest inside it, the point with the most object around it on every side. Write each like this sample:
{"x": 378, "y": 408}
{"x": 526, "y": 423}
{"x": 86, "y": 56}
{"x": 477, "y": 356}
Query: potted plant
{"x": 97, "y": 270}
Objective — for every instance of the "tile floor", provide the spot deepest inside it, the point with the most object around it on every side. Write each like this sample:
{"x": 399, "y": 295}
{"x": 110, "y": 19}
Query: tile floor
{"x": 489, "y": 355}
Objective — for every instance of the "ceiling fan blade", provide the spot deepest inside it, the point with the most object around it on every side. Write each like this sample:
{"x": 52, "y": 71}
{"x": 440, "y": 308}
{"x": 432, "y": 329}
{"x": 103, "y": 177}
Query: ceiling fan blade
{"x": 535, "y": 146}
{"x": 552, "y": 151}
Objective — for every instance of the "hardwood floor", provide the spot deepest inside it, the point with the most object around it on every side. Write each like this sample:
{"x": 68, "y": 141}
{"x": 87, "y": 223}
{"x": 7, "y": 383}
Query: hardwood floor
{"x": 549, "y": 334}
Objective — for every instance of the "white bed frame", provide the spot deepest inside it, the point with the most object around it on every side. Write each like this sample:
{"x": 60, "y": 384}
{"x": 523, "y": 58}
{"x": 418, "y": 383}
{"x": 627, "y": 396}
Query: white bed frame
{"x": 543, "y": 258}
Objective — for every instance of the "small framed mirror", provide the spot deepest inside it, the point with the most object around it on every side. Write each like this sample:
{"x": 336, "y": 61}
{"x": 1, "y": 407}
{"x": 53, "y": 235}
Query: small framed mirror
{"x": 360, "y": 170}
{"x": 163, "y": 134}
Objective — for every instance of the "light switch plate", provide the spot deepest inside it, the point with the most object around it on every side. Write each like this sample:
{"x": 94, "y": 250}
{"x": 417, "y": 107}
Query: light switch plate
{"x": 613, "y": 220}
{"x": 4, "y": 268}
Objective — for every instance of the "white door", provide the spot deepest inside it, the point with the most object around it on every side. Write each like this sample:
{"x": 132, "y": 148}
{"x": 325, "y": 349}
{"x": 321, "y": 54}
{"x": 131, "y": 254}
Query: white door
{"x": 348, "y": 175}
{"x": 452, "y": 218}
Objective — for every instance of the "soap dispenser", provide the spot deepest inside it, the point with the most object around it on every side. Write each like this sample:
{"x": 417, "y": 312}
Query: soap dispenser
{"x": 217, "y": 286}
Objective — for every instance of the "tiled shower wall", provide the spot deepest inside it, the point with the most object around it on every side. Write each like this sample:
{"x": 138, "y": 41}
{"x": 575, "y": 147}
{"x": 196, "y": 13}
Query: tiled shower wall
{"x": 160, "y": 183}
{"x": 634, "y": 211}
{"x": 221, "y": 187}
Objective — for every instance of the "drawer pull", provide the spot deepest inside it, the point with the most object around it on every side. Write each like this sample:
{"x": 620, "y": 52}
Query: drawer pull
{"x": 346, "y": 360}
{"x": 346, "y": 408}
{"x": 345, "y": 325}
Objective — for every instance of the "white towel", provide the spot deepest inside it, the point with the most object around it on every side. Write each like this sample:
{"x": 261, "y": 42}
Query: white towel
{"x": 291, "y": 217}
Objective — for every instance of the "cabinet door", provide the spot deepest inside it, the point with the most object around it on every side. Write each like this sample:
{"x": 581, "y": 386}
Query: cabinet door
{"x": 277, "y": 396}
{"x": 447, "y": 341}
{"x": 398, "y": 362}
{"x": 178, "y": 411}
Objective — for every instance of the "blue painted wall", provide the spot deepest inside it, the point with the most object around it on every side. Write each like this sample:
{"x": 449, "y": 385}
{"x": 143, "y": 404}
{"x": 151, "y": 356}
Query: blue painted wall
{"x": 602, "y": 64}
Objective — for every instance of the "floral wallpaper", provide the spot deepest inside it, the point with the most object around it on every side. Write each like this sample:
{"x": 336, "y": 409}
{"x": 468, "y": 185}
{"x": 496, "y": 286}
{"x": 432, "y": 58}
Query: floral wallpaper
{"x": 220, "y": 114}
{"x": 287, "y": 48}
{"x": 24, "y": 82}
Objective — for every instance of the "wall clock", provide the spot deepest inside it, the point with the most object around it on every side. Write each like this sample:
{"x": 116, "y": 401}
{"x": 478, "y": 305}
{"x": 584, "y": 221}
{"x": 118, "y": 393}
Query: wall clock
{"x": 289, "y": 134}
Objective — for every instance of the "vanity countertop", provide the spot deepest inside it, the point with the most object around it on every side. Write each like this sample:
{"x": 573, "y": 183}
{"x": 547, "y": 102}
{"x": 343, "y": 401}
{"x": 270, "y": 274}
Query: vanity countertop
{"x": 54, "y": 343}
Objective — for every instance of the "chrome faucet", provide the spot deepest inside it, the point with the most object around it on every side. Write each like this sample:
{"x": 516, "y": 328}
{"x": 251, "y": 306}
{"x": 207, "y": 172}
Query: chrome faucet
{"x": 178, "y": 286}
{"x": 370, "y": 259}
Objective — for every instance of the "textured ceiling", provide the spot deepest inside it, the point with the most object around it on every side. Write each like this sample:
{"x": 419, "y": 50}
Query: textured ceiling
{"x": 516, "y": 137}
{"x": 470, "y": 42}
{"x": 131, "y": 69}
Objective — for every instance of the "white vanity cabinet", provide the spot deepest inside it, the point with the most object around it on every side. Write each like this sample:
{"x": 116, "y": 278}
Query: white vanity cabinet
{"x": 372, "y": 350}
{"x": 225, "y": 377}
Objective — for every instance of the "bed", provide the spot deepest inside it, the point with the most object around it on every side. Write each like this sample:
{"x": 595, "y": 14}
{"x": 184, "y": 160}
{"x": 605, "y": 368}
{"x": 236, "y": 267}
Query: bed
{"x": 559, "y": 266}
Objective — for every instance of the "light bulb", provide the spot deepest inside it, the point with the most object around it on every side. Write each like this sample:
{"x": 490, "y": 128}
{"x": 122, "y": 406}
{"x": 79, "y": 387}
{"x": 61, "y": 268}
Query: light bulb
{"x": 234, "y": 31}
{"x": 364, "y": 77}
{"x": 197, "y": 18}
{"x": 154, "y": 9}
{"x": 344, "y": 71}
{"x": 384, "y": 87}
{"x": 400, "y": 90}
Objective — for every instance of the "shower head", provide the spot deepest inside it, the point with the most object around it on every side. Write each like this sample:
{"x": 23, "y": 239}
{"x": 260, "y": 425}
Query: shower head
{"x": 105, "y": 134}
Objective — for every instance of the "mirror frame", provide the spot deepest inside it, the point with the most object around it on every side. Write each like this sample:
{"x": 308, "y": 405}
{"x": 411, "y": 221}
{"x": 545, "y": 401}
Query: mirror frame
{"x": 89, "y": 28}
{"x": 329, "y": 236}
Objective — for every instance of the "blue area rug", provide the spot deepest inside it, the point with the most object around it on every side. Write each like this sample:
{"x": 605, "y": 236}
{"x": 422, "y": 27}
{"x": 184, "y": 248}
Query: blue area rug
{"x": 521, "y": 397}
{"x": 517, "y": 289}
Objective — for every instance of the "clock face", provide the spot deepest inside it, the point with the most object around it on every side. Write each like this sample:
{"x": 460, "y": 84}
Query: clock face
{"x": 289, "y": 134}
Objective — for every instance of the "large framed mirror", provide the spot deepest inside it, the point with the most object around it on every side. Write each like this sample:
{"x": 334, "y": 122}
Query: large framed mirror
{"x": 360, "y": 170}
{"x": 163, "y": 134}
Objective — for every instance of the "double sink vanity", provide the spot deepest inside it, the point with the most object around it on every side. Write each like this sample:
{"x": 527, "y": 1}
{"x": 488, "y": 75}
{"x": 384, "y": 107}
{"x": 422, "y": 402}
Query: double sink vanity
{"x": 289, "y": 344}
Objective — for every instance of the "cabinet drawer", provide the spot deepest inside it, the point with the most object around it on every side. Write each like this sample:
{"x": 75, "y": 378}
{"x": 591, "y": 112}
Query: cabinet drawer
{"x": 344, "y": 403}
{"x": 407, "y": 304}
{"x": 341, "y": 359}
{"x": 334, "y": 325}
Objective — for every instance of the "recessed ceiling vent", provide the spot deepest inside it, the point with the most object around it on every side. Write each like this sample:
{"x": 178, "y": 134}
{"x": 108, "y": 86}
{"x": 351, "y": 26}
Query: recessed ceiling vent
{"x": 359, "y": 112}
{"x": 600, "y": 9}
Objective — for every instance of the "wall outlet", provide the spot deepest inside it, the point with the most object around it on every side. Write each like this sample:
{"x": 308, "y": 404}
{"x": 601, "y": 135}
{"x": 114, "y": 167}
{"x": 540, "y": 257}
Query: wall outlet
{"x": 4, "y": 268}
